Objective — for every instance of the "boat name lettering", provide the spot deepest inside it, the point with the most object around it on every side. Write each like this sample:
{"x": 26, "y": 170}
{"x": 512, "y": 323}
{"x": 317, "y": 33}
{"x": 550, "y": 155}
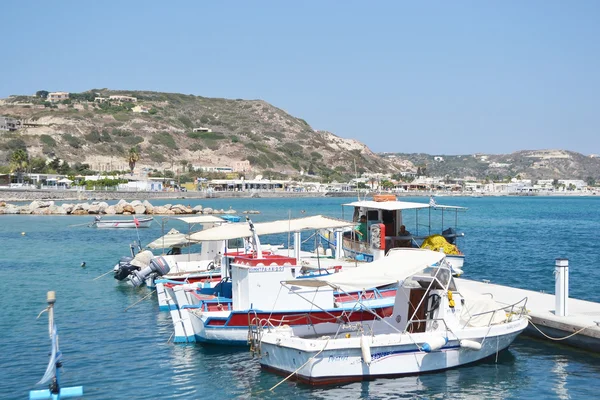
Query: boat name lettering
{"x": 377, "y": 356}
{"x": 337, "y": 358}
{"x": 278, "y": 268}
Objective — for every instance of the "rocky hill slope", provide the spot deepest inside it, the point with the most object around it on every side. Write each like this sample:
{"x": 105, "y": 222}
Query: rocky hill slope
{"x": 527, "y": 164}
{"x": 168, "y": 137}
{"x": 101, "y": 134}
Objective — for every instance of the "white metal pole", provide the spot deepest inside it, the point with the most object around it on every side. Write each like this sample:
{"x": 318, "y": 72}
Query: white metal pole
{"x": 297, "y": 244}
{"x": 561, "y": 292}
{"x": 338, "y": 244}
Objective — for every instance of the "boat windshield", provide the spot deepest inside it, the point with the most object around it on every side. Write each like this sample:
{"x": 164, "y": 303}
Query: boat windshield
{"x": 436, "y": 276}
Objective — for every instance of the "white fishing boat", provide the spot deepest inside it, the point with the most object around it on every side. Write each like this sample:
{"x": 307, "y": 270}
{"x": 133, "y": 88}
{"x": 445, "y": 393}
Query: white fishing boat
{"x": 135, "y": 222}
{"x": 384, "y": 219}
{"x": 184, "y": 263}
{"x": 250, "y": 282}
{"x": 434, "y": 326}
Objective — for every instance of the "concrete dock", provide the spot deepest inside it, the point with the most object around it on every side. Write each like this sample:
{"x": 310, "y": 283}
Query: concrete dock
{"x": 579, "y": 328}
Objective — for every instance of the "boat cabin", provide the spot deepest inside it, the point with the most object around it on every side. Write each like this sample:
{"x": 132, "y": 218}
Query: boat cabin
{"x": 384, "y": 222}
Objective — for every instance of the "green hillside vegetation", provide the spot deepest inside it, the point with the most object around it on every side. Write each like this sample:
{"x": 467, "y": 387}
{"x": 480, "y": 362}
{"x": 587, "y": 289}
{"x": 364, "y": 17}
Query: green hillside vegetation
{"x": 79, "y": 129}
{"x": 182, "y": 130}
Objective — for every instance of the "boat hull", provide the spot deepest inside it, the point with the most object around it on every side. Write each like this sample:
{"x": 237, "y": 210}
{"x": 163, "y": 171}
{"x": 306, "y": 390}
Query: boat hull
{"x": 341, "y": 365}
{"x": 166, "y": 296}
{"x": 141, "y": 223}
{"x": 215, "y": 322}
{"x": 231, "y": 328}
{"x": 359, "y": 250}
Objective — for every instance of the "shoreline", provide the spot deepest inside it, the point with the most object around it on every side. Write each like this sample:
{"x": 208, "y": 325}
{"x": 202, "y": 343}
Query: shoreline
{"x": 24, "y": 195}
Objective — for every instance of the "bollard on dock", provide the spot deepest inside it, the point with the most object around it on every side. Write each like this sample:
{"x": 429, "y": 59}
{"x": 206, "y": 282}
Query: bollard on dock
{"x": 561, "y": 291}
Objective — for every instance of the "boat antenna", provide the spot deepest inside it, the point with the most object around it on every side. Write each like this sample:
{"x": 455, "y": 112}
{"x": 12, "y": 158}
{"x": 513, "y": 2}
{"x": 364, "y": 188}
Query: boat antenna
{"x": 318, "y": 256}
{"x": 289, "y": 232}
{"x": 356, "y": 177}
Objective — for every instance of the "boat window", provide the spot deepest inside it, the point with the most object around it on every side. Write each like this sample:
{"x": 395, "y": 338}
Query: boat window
{"x": 387, "y": 216}
{"x": 452, "y": 285}
{"x": 373, "y": 215}
{"x": 443, "y": 275}
{"x": 237, "y": 243}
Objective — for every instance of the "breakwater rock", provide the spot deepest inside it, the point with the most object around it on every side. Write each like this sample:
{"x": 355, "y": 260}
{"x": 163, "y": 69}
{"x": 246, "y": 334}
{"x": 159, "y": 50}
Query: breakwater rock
{"x": 136, "y": 207}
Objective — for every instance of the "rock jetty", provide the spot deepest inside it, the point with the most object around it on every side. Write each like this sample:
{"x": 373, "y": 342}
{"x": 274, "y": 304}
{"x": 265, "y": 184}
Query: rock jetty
{"x": 136, "y": 207}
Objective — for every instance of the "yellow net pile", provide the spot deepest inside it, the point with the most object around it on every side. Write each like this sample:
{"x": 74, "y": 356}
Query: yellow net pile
{"x": 437, "y": 242}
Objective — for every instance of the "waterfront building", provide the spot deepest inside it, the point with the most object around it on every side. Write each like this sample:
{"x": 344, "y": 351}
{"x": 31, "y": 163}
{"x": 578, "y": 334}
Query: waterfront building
{"x": 119, "y": 99}
{"x": 10, "y": 124}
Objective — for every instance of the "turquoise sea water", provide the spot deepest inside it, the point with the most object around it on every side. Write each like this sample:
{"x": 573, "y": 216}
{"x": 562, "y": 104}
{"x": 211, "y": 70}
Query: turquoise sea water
{"x": 127, "y": 355}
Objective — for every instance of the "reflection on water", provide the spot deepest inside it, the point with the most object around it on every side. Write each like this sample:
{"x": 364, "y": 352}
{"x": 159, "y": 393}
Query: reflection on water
{"x": 485, "y": 379}
{"x": 560, "y": 379}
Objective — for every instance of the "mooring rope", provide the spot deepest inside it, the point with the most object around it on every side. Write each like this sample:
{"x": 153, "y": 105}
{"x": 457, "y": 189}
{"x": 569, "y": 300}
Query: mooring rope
{"x": 98, "y": 277}
{"x": 140, "y": 300}
{"x": 566, "y": 337}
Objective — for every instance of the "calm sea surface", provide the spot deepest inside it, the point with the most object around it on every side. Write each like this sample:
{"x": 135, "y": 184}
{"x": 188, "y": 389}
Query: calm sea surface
{"x": 127, "y": 355}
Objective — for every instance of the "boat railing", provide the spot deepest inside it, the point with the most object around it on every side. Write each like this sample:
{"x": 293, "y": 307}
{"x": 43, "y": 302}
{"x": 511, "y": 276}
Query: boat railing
{"x": 256, "y": 327}
{"x": 433, "y": 321}
{"x": 516, "y": 309}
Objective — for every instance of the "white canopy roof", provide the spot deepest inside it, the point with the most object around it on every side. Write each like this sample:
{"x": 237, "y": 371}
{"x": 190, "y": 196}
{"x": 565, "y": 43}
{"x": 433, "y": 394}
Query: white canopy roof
{"x": 395, "y": 267}
{"x": 388, "y": 205}
{"x": 398, "y": 205}
{"x": 172, "y": 239}
{"x": 242, "y": 229}
{"x": 64, "y": 180}
{"x": 201, "y": 219}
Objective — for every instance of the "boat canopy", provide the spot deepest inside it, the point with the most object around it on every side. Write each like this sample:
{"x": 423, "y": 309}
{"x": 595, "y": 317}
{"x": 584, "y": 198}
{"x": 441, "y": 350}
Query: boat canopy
{"x": 242, "y": 229}
{"x": 398, "y": 265}
{"x": 173, "y": 238}
{"x": 388, "y": 205}
{"x": 201, "y": 219}
{"x": 398, "y": 205}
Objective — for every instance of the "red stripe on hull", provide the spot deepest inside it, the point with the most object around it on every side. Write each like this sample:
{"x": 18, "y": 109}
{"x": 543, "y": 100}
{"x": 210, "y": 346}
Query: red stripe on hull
{"x": 241, "y": 319}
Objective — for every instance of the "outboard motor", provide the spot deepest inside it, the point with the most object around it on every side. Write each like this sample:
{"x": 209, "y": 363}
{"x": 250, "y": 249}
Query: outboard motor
{"x": 124, "y": 268}
{"x": 450, "y": 235}
{"x": 158, "y": 265}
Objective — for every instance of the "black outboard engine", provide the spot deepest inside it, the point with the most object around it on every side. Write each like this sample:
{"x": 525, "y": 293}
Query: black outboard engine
{"x": 450, "y": 235}
{"x": 124, "y": 268}
{"x": 158, "y": 265}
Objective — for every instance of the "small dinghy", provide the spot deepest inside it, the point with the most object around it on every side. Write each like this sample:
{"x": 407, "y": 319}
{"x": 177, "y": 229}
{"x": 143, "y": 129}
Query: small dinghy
{"x": 122, "y": 223}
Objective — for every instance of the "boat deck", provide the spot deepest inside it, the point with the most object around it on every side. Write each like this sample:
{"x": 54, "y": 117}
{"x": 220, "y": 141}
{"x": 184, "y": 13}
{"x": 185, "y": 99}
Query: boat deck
{"x": 583, "y": 316}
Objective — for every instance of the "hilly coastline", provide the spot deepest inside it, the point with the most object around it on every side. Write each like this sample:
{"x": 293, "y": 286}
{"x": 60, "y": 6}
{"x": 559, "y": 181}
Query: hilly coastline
{"x": 182, "y": 132}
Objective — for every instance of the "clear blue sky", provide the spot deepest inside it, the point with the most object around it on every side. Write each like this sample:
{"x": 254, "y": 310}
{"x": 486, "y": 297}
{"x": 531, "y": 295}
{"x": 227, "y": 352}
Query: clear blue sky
{"x": 447, "y": 77}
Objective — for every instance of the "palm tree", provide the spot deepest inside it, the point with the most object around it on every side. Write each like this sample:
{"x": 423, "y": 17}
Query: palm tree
{"x": 19, "y": 160}
{"x": 132, "y": 157}
{"x": 184, "y": 165}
